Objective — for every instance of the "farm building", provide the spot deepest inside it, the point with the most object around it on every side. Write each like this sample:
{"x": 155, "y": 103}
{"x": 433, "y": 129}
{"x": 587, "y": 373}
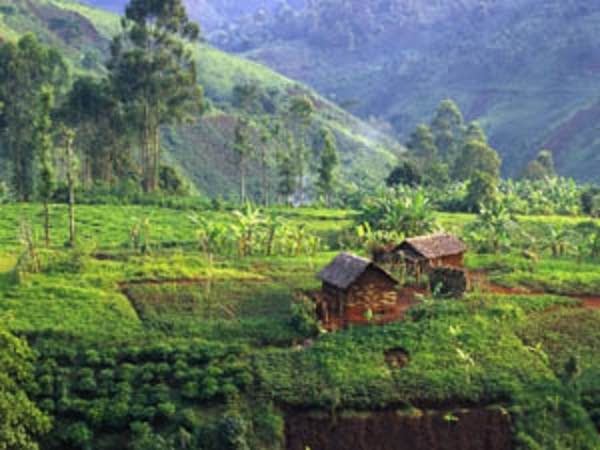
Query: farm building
{"x": 356, "y": 291}
{"x": 423, "y": 253}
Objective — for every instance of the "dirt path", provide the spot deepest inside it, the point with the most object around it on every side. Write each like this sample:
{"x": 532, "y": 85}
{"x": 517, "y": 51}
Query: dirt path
{"x": 590, "y": 302}
{"x": 481, "y": 281}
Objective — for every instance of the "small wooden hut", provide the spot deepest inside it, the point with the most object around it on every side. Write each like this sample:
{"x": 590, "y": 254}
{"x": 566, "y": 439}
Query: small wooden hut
{"x": 422, "y": 253}
{"x": 356, "y": 291}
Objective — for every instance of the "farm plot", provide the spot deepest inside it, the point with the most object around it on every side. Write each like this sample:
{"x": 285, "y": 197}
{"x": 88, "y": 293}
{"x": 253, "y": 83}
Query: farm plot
{"x": 255, "y": 310}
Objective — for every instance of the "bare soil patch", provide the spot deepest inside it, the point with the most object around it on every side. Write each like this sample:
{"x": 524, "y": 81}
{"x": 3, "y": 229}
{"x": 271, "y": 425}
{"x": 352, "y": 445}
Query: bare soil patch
{"x": 474, "y": 429}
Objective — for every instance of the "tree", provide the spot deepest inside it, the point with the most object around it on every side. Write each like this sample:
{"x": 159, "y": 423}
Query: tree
{"x": 534, "y": 171}
{"x": 21, "y": 422}
{"x": 422, "y": 145}
{"x": 43, "y": 147}
{"x": 242, "y": 148}
{"x": 329, "y": 162}
{"x": 541, "y": 168}
{"x": 71, "y": 172}
{"x": 154, "y": 75}
{"x": 172, "y": 182}
{"x": 25, "y": 69}
{"x": 104, "y": 133}
{"x": 475, "y": 132}
{"x": 482, "y": 191}
{"x": 299, "y": 117}
{"x": 287, "y": 175}
{"x": 546, "y": 160}
{"x": 246, "y": 96}
{"x": 493, "y": 229}
{"x": 448, "y": 127}
{"x": 408, "y": 212}
{"x": 477, "y": 156}
{"x": 407, "y": 173}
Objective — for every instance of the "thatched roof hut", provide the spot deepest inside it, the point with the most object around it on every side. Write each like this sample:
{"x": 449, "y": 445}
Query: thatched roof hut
{"x": 346, "y": 269}
{"x": 354, "y": 289}
{"x": 432, "y": 247}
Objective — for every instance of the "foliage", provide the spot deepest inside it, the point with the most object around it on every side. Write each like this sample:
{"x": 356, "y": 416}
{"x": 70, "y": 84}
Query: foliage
{"x": 406, "y": 173}
{"x": 21, "y": 421}
{"x": 328, "y": 164}
{"x": 482, "y": 191}
{"x": 493, "y": 230}
{"x": 153, "y": 74}
{"x": 541, "y": 168}
{"x": 304, "y": 317}
{"x": 403, "y": 211}
{"x": 172, "y": 182}
{"x": 30, "y": 73}
{"x": 253, "y": 233}
{"x": 590, "y": 201}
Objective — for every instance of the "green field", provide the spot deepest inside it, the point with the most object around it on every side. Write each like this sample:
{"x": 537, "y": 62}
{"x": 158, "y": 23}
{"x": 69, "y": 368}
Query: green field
{"x": 184, "y": 342}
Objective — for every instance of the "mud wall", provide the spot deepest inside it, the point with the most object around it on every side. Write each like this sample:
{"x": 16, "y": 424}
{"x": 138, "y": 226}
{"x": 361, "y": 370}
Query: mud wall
{"x": 479, "y": 429}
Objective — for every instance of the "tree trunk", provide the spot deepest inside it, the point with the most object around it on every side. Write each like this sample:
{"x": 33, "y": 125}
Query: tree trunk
{"x": 71, "y": 186}
{"x": 265, "y": 179}
{"x": 47, "y": 222}
{"x": 242, "y": 178}
{"x": 155, "y": 158}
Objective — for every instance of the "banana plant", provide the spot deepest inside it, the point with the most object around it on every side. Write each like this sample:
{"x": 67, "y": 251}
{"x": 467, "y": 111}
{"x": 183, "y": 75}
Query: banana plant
{"x": 247, "y": 224}
{"x": 212, "y": 236}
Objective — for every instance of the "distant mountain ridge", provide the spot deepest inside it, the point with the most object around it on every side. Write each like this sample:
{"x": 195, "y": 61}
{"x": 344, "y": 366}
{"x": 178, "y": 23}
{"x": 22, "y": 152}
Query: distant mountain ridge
{"x": 526, "y": 69}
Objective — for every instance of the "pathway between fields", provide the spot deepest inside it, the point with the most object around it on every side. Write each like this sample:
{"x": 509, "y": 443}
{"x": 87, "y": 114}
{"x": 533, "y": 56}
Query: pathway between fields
{"x": 481, "y": 280}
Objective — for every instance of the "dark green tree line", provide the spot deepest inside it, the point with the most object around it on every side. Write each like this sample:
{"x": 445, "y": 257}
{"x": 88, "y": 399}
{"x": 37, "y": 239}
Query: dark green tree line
{"x": 153, "y": 75}
{"x": 29, "y": 71}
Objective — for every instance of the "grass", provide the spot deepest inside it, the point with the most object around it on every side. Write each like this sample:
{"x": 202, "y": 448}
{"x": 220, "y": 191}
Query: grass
{"x": 507, "y": 350}
{"x": 565, "y": 275}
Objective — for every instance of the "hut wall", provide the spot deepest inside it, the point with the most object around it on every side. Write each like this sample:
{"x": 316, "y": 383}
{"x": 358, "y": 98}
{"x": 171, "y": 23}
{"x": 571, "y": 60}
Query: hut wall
{"x": 452, "y": 261}
{"x": 331, "y": 307}
{"x": 372, "y": 291}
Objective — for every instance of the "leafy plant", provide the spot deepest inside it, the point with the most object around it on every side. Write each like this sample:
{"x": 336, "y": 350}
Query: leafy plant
{"x": 403, "y": 211}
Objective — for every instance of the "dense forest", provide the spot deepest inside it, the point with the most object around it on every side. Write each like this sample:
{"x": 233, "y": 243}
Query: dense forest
{"x": 526, "y": 69}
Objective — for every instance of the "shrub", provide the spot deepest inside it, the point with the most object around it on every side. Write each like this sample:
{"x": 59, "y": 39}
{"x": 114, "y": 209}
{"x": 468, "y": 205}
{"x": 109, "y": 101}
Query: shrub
{"x": 166, "y": 410}
{"x": 232, "y": 430}
{"x": 304, "y": 317}
{"x": 79, "y": 435}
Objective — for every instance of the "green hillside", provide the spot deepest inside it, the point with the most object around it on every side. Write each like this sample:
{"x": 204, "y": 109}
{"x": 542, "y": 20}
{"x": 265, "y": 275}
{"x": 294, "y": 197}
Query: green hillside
{"x": 526, "y": 69}
{"x": 202, "y": 150}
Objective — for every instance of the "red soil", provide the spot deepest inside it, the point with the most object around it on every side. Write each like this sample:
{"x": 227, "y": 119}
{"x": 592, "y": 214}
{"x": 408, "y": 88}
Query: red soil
{"x": 476, "y": 429}
{"x": 481, "y": 280}
{"x": 590, "y": 302}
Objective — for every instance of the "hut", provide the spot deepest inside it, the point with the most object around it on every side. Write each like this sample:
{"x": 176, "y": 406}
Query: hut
{"x": 423, "y": 253}
{"x": 356, "y": 291}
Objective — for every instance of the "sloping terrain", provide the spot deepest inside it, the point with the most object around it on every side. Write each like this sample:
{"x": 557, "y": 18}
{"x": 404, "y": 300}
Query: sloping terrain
{"x": 527, "y": 69}
{"x": 204, "y": 149}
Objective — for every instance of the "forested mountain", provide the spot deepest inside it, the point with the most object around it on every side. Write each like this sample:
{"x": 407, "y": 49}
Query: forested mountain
{"x": 204, "y": 150}
{"x": 527, "y": 69}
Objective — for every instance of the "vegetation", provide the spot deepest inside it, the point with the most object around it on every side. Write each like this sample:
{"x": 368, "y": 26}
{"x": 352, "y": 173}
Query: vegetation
{"x": 462, "y": 49}
{"x": 139, "y": 313}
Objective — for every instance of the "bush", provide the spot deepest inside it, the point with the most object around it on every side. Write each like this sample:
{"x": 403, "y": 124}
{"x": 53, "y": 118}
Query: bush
{"x": 304, "y": 317}
{"x": 232, "y": 430}
{"x": 171, "y": 181}
{"x": 79, "y": 435}
{"x": 448, "y": 282}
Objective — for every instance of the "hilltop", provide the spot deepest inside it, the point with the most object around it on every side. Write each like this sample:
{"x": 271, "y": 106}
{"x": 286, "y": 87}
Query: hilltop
{"x": 203, "y": 150}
